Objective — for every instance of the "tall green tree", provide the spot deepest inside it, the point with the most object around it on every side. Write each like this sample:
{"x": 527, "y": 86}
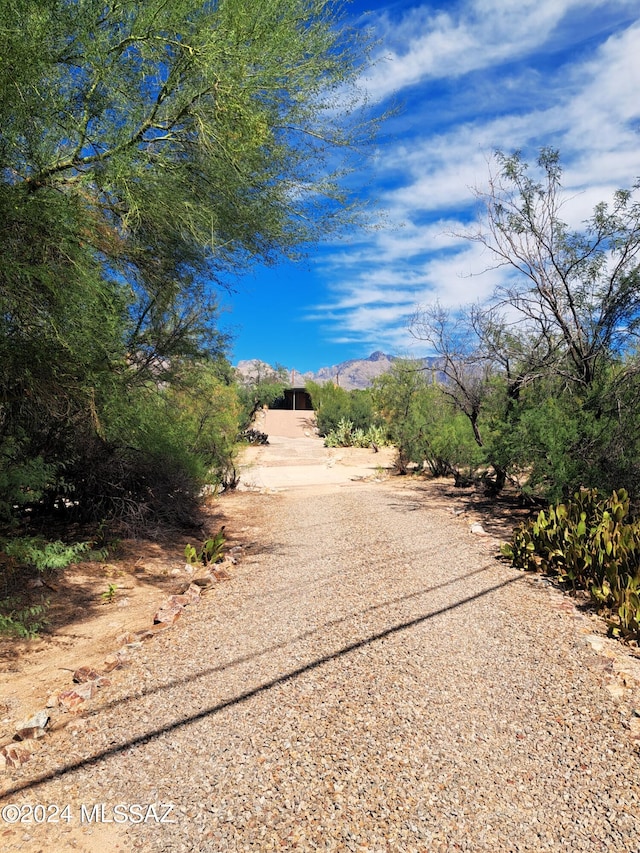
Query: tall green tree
{"x": 147, "y": 150}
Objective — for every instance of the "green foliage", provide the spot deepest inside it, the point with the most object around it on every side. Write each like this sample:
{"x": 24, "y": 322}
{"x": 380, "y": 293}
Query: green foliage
{"x": 44, "y": 556}
{"x": 150, "y": 149}
{"x": 23, "y": 480}
{"x": 422, "y": 423}
{"x": 576, "y": 292}
{"x": 547, "y": 371}
{"x": 346, "y": 434}
{"x": 262, "y": 387}
{"x": 212, "y": 551}
{"x": 20, "y": 616}
{"x": 23, "y": 622}
{"x": 333, "y": 404}
{"x": 552, "y": 442}
{"x": 591, "y": 544}
{"x": 109, "y": 595}
{"x": 398, "y": 396}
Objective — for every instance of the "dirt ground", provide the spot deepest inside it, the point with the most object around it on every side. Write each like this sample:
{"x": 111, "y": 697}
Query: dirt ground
{"x": 86, "y": 624}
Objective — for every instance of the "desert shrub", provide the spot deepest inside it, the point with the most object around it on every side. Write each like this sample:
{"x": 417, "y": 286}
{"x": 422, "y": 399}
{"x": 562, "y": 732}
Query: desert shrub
{"x": 427, "y": 430}
{"x": 591, "y": 544}
{"x": 35, "y": 552}
{"x": 23, "y": 614}
{"x": 23, "y": 479}
{"x": 21, "y": 620}
{"x": 347, "y": 434}
{"x": 262, "y": 387}
{"x": 155, "y": 452}
{"x": 333, "y": 404}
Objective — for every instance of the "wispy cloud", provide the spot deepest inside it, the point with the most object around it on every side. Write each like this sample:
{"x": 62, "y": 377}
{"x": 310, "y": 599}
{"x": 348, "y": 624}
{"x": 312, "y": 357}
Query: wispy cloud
{"x": 479, "y": 34}
{"x": 585, "y": 103}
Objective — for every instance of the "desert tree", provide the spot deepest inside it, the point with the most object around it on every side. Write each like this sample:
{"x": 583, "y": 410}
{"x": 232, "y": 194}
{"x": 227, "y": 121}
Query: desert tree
{"x": 149, "y": 150}
{"x": 557, "y": 342}
{"x": 574, "y": 291}
{"x": 465, "y": 367}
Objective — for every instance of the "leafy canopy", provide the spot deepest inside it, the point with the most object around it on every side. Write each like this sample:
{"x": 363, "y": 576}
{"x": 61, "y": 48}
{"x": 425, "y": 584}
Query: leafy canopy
{"x": 147, "y": 150}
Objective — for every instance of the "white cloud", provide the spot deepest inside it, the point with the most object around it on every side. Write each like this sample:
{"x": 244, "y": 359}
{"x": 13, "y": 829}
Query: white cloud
{"x": 589, "y": 110}
{"x": 477, "y": 34}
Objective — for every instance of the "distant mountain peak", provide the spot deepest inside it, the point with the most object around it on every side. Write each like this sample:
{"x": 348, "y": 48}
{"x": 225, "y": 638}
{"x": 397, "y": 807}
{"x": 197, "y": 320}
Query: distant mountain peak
{"x": 354, "y": 374}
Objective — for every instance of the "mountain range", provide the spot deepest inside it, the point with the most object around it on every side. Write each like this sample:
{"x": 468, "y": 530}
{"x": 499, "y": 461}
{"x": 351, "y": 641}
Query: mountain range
{"x": 356, "y": 373}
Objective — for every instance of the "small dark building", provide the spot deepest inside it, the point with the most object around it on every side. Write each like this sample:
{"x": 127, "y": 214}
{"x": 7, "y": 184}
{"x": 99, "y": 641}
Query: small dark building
{"x": 295, "y": 399}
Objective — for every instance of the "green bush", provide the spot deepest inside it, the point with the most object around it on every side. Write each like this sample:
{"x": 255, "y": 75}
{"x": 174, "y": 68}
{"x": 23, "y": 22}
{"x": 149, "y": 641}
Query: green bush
{"x": 333, "y": 404}
{"x": 34, "y": 552}
{"x": 18, "y": 620}
{"x": 212, "y": 551}
{"x": 346, "y": 434}
{"x": 23, "y": 480}
{"x": 590, "y": 544}
{"x": 20, "y": 615}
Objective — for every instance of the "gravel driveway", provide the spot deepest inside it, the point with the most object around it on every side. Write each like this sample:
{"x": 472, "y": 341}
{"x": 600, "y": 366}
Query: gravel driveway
{"x": 371, "y": 679}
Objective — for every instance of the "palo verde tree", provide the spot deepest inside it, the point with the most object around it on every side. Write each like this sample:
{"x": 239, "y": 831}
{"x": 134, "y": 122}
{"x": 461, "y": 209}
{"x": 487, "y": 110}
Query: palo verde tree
{"x": 147, "y": 150}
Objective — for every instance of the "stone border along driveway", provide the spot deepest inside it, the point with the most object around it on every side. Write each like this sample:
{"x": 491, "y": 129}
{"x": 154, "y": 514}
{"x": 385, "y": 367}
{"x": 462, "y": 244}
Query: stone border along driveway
{"x": 372, "y": 679}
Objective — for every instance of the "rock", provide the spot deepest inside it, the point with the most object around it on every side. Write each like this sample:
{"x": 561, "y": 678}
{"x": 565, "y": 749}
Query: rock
{"x": 477, "y": 528}
{"x": 204, "y": 581}
{"x": 128, "y": 637}
{"x": 122, "y": 657}
{"x": 596, "y": 643}
{"x": 111, "y": 662}
{"x": 84, "y": 673}
{"x": 193, "y": 593}
{"x": 169, "y": 613}
{"x": 221, "y": 575}
{"x": 70, "y": 699}
{"x": 14, "y": 757}
{"x": 187, "y": 597}
{"x": 172, "y": 609}
{"x": 33, "y": 728}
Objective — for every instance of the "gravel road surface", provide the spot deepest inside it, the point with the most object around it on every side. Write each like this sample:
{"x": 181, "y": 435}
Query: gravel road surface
{"x": 371, "y": 679}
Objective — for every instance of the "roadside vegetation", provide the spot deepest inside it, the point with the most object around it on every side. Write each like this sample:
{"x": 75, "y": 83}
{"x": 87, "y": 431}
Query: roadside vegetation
{"x": 347, "y": 418}
{"x": 149, "y": 153}
{"x": 536, "y": 391}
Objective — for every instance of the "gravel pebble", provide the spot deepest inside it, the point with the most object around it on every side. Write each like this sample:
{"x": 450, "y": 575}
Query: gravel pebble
{"x": 372, "y": 679}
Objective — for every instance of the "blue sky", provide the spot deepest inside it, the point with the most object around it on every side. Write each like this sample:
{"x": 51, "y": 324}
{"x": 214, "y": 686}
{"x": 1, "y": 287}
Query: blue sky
{"x": 472, "y": 76}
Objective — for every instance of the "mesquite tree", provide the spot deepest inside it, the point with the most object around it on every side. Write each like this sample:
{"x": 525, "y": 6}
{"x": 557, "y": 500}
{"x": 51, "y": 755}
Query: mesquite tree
{"x": 557, "y": 341}
{"x": 574, "y": 291}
